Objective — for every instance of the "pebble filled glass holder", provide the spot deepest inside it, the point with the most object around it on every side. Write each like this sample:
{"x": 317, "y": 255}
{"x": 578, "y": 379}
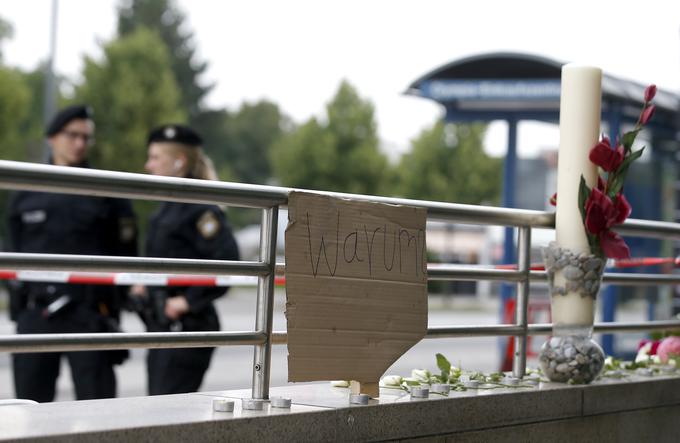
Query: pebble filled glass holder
{"x": 570, "y": 355}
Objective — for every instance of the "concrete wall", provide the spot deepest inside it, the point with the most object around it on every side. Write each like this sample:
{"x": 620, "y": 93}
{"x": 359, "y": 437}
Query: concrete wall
{"x": 632, "y": 409}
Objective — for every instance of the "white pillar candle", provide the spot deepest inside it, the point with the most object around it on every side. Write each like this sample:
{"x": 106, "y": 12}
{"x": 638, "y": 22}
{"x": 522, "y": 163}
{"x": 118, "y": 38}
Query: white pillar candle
{"x": 580, "y": 104}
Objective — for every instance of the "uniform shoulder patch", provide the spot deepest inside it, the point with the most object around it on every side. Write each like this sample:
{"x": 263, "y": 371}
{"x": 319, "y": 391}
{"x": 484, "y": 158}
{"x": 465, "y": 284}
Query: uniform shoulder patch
{"x": 208, "y": 224}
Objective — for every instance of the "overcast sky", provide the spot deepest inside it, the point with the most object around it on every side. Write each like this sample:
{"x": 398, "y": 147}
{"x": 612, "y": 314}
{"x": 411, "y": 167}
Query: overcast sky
{"x": 295, "y": 52}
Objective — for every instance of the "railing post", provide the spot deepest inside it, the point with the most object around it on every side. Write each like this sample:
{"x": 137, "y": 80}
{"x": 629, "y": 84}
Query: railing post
{"x": 519, "y": 363}
{"x": 265, "y": 303}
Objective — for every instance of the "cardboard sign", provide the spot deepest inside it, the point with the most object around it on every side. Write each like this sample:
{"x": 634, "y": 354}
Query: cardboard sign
{"x": 356, "y": 286}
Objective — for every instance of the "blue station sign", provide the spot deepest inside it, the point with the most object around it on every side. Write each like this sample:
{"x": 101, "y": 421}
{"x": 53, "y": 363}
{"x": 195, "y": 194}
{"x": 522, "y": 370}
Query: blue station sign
{"x": 488, "y": 90}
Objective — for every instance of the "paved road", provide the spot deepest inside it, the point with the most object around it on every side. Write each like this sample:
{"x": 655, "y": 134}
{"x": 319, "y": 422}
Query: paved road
{"x": 231, "y": 366}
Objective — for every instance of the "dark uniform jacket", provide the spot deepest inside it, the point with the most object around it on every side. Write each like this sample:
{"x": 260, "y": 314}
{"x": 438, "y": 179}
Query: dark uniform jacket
{"x": 50, "y": 223}
{"x": 187, "y": 230}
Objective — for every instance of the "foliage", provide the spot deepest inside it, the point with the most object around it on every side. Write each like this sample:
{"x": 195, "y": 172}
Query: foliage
{"x": 253, "y": 130}
{"x": 447, "y": 163}
{"x": 131, "y": 90}
{"x": 163, "y": 17}
{"x": 15, "y": 102}
{"x": 457, "y": 378}
{"x": 6, "y": 32}
{"x": 240, "y": 142}
{"x": 340, "y": 154}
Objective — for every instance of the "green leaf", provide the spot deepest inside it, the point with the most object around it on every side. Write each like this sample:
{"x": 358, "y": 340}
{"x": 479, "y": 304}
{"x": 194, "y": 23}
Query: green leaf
{"x": 444, "y": 365}
{"x": 616, "y": 185}
{"x": 628, "y": 139}
{"x": 583, "y": 195}
{"x": 623, "y": 169}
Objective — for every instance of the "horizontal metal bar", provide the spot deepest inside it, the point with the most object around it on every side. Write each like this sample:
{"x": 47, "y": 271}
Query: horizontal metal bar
{"x": 471, "y": 272}
{"x": 649, "y": 228}
{"x": 279, "y": 337}
{"x": 31, "y": 343}
{"x": 474, "y": 331}
{"x": 50, "y": 178}
{"x": 545, "y": 329}
{"x": 96, "y": 263}
{"x": 474, "y": 272}
{"x": 83, "y": 181}
{"x": 659, "y": 325}
{"x": 622, "y": 279}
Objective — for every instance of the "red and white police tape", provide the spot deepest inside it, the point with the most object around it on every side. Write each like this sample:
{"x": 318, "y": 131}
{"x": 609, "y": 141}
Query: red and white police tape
{"x": 127, "y": 279}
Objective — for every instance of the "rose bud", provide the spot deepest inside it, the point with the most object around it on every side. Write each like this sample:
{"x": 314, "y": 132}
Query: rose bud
{"x": 647, "y": 114}
{"x": 650, "y": 92}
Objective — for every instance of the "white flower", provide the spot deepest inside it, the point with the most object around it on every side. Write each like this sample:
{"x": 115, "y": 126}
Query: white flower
{"x": 340, "y": 384}
{"x": 422, "y": 375}
{"x": 391, "y": 380}
{"x": 643, "y": 353}
{"x": 609, "y": 361}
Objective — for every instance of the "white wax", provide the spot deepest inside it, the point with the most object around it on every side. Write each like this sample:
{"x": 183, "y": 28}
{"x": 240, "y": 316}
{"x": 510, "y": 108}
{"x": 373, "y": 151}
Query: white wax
{"x": 572, "y": 310}
{"x": 580, "y": 102}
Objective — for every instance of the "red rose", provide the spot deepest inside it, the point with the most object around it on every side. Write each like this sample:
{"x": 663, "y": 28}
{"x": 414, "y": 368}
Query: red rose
{"x": 613, "y": 245}
{"x": 601, "y": 215}
{"x": 605, "y": 157}
{"x": 623, "y": 209}
{"x": 600, "y": 212}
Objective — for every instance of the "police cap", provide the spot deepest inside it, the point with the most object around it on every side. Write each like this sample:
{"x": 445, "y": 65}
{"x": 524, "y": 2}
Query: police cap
{"x": 177, "y": 134}
{"x": 65, "y": 116}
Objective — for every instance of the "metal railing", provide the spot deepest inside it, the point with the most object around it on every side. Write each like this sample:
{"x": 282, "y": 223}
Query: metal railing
{"x": 34, "y": 177}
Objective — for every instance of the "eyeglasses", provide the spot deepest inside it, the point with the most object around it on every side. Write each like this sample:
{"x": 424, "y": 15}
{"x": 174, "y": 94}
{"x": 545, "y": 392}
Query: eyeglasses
{"x": 74, "y": 135}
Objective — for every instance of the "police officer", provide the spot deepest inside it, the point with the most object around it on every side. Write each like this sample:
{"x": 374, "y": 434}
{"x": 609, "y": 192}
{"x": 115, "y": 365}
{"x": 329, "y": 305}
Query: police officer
{"x": 183, "y": 230}
{"x": 41, "y": 222}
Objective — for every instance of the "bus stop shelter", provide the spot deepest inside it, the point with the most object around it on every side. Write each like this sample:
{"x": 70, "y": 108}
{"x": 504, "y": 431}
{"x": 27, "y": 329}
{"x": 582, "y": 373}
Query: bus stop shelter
{"x": 512, "y": 87}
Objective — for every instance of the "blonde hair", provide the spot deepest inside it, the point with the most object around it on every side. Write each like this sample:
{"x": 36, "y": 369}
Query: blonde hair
{"x": 199, "y": 165}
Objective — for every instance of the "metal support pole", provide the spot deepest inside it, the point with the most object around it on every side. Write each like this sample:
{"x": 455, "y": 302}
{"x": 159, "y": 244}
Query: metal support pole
{"x": 265, "y": 303}
{"x": 508, "y": 201}
{"x": 519, "y": 363}
{"x": 49, "y": 105}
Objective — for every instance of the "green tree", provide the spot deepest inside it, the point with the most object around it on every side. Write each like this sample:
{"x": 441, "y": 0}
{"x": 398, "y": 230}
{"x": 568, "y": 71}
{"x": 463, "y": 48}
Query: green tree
{"x": 131, "y": 90}
{"x": 253, "y": 130}
{"x": 15, "y": 102}
{"x": 6, "y": 31}
{"x": 339, "y": 155}
{"x": 447, "y": 163}
{"x": 163, "y": 17}
{"x": 239, "y": 142}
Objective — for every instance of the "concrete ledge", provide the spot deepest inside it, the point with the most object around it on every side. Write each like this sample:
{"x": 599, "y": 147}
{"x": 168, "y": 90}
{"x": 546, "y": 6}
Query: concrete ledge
{"x": 631, "y": 409}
